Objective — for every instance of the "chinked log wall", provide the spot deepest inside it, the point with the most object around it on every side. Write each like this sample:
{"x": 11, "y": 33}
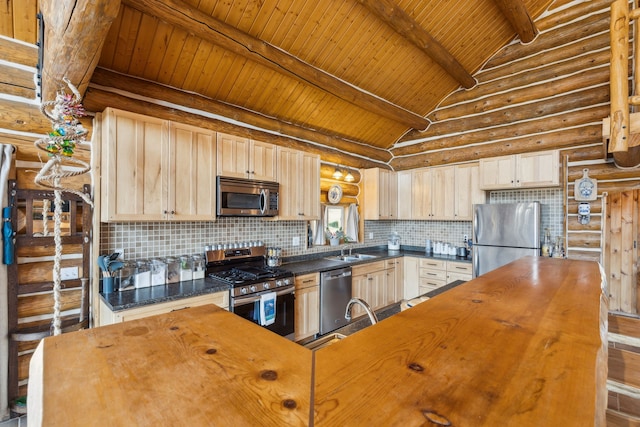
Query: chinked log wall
{"x": 550, "y": 94}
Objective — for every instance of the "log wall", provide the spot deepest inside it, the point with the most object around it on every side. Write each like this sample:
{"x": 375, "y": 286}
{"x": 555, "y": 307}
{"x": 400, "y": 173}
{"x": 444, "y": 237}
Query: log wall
{"x": 551, "y": 93}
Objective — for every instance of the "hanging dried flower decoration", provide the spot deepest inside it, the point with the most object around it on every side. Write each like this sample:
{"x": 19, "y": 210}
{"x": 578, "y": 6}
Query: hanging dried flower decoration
{"x": 60, "y": 144}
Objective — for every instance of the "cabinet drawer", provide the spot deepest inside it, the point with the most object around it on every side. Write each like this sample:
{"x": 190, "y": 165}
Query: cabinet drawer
{"x": 433, "y": 264}
{"x": 452, "y": 277}
{"x": 459, "y": 267}
{"x": 435, "y": 283}
{"x": 307, "y": 280}
{"x": 390, "y": 263}
{"x": 433, "y": 274}
{"x": 367, "y": 268}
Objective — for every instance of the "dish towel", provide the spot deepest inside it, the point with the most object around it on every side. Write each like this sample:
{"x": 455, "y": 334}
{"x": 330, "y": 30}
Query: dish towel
{"x": 351, "y": 226}
{"x": 267, "y": 308}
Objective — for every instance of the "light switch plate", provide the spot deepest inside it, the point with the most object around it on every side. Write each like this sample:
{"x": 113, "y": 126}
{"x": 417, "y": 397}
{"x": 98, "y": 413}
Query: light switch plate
{"x": 69, "y": 273}
{"x": 295, "y": 241}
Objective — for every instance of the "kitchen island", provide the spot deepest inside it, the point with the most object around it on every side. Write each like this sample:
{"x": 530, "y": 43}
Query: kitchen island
{"x": 524, "y": 345}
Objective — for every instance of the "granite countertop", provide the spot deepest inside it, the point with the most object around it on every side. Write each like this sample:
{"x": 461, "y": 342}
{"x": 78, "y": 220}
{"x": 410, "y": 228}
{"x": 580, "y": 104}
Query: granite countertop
{"x": 133, "y": 298}
{"x": 319, "y": 262}
{"x": 123, "y": 300}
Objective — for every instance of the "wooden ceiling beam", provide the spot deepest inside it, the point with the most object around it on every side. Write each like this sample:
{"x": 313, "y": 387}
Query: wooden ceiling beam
{"x": 75, "y": 32}
{"x": 192, "y": 20}
{"x": 516, "y": 13}
{"x": 388, "y": 12}
{"x": 150, "y": 90}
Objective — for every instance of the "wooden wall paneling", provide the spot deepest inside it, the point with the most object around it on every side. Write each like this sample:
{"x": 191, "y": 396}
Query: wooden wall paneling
{"x": 624, "y": 366}
{"x": 580, "y": 135}
{"x": 614, "y": 234}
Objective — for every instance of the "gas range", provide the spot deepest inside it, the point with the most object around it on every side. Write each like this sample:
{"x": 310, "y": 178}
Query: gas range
{"x": 259, "y": 293}
{"x": 245, "y": 270}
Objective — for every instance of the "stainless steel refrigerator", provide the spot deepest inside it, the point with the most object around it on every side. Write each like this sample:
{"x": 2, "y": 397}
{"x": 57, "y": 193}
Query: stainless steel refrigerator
{"x": 504, "y": 232}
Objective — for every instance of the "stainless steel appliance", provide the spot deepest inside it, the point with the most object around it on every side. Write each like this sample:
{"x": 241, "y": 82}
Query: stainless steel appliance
{"x": 246, "y": 197}
{"x": 335, "y": 293}
{"x": 504, "y": 232}
{"x": 244, "y": 269}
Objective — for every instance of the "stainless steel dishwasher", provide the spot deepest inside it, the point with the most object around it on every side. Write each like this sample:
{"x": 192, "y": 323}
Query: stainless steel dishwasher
{"x": 335, "y": 293}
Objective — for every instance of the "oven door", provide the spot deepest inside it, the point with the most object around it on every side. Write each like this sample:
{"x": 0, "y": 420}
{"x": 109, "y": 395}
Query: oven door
{"x": 249, "y": 308}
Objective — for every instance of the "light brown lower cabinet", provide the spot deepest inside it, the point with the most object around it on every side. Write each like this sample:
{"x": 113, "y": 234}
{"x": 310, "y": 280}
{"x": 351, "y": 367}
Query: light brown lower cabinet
{"x": 435, "y": 273}
{"x": 375, "y": 283}
{"x": 307, "y": 312}
{"x": 109, "y": 317}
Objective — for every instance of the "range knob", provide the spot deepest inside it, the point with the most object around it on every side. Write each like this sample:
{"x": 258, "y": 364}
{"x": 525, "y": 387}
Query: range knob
{"x": 243, "y": 291}
{"x": 252, "y": 288}
{"x": 279, "y": 283}
{"x": 266, "y": 285}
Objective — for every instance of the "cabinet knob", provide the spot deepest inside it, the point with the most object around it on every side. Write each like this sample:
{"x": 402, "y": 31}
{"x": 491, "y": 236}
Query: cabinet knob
{"x": 173, "y": 212}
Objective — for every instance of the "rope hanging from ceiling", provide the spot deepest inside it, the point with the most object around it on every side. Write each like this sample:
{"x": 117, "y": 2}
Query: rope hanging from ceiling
{"x": 59, "y": 145}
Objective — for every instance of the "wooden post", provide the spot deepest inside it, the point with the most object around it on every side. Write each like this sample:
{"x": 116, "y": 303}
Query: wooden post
{"x": 619, "y": 70}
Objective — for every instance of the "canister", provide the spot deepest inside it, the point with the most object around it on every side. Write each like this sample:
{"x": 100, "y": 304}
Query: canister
{"x": 126, "y": 276}
{"x": 142, "y": 278}
{"x": 186, "y": 268}
{"x": 199, "y": 266}
{"x": 158, "y": 272}
{"x": 173, "y": 270}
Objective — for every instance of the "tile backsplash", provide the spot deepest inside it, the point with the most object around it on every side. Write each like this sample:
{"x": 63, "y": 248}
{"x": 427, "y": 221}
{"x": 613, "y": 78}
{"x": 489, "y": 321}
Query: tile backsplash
{"x": 159, "y": 239}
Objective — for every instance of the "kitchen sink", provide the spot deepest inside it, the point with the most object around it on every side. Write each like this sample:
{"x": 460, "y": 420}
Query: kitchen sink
{"x": 325, "y": 341}
{"x": 351, "y": 258}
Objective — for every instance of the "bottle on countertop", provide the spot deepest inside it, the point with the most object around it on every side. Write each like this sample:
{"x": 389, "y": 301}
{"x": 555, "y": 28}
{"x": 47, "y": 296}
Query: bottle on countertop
{"x": 546, "y": 243}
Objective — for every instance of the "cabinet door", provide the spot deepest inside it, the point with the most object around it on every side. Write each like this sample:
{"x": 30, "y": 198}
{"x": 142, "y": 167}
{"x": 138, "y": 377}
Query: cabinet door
{"x": 442, "y": 189}
{"x": 421, "y": 194}
{"x": 287, "y": 177}
{"x": 405, "y": 189}
{"x": 299, "y": 178}
{"x": 233, "y": 156}
{"x": 359, "y": 289}
{"x": 539, "y": 169}
{"x": 497, "y": 172}
{"x": 262, "y": 159}
{"x": 192, "y": 190}
{"x": 467, "y": 191}
{"x": 307, "y": 312}
{"x": 378, "y": 294}
{"x": 309, "y": 192}
{"x": 411, "y": 277}
{"x": 135, "y": 161}
{"x": 389, "y": 195}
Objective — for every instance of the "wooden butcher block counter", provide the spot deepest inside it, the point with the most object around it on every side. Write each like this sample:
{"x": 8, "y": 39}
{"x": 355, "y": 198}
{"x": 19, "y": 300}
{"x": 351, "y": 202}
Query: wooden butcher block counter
{"x": 524, "y": 345}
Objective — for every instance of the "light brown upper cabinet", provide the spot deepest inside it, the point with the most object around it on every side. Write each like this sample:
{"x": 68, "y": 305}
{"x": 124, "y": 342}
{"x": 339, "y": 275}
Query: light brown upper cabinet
{"x": 439, "y": 193}
{"x": 299, "y": 178}
{"x": 246, "y": 158}
{"x": 380, "y": 194}
{"x": 153, "y": 169}
{"x": 467, "y": 190}
{"x": 527, "y": 170}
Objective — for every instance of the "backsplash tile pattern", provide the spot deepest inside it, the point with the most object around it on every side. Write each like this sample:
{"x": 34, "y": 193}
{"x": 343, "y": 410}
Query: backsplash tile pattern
{"x": 160, "y": 239}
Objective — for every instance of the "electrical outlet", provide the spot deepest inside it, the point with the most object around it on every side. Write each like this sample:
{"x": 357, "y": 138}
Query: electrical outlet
{"x": 370, "y": 236}
{"x": 121, "y": 252}
{"x": 69, "y": 273}
{"x": 295, "y": 241}
{"x": 466, "y": 237}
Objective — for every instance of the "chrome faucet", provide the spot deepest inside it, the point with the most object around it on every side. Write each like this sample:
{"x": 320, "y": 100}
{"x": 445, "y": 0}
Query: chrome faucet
{"x": 344, "y": 248}
{"x": 372, "y": 315}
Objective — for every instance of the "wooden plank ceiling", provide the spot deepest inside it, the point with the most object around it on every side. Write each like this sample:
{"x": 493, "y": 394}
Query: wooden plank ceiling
{"x": 351, "y": 75}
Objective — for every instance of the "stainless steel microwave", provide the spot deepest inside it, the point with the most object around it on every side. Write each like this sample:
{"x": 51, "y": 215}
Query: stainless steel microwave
{"x": 246, "y": 197}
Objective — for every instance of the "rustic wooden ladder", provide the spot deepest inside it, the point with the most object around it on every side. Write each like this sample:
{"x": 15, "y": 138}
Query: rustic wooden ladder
{"x": 30, "y": 298}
